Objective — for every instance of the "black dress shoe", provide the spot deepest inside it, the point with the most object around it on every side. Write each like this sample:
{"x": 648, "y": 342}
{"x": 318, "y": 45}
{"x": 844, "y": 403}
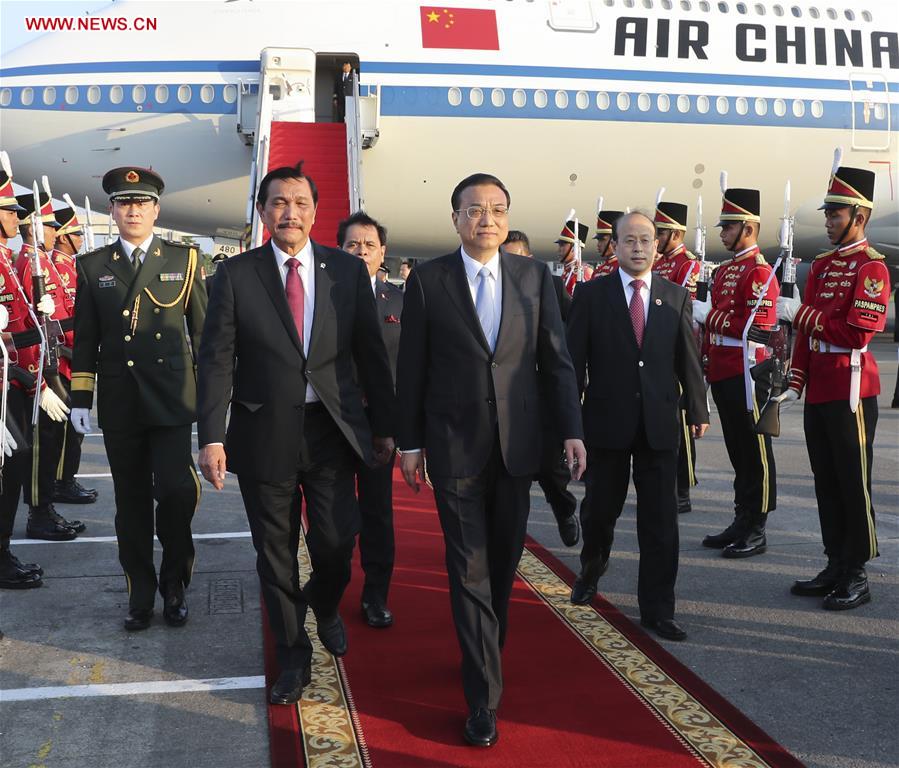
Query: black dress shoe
{"x": 752, "y": 539}
{"x": 75, "y": 525}
{"x": 13, "y": 575}
{"x": 667, "y": 628}
{"x": 683, "y": 502}
{"x": 138, "y": 619}
{"x": 288, "y": 688}
{"x": 27, "y": 567}
{"x": 480, "y": 728}
{"x": 728, "y": 536}
{"x": 823, "y": 584}
{"x": 570, "y": 530}
{"x": 48, "y": 530}
{"x": 851, "y": 591}
{"x": 376, "y": 614}
{"x": 72, "y": 492}
{"x": 174, "y": 606}
{"x": 332, "y": 633}
{"x": 583, "y": 591}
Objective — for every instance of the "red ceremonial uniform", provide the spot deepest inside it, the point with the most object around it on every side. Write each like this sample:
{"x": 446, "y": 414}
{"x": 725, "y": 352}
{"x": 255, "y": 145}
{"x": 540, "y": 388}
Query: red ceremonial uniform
{"x": 679, "y": 266}
{"x": 569, "y": 276}
{"x": 67, "y": 272}
{"x": 19, "y": 317}
{"x": 844, "y": 305}
{"x": 606, "y": 268}
{"x": 735, "y": 290}
{"x": 54, "y": 285}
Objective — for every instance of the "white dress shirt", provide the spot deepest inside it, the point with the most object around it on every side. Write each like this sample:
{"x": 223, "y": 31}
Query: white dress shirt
{"x": 472, "y": 268}
{"x": 306, "y": 258}
{"x": 626, "y": 280}
{"x": 128, "y": 248}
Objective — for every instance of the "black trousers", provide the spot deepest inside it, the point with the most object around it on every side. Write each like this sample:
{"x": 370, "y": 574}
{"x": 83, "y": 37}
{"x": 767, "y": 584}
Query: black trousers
{"x": 841, "y": 452}
{"x": 484, "y": 520}
{"x": 147, "y": 464}
{"x": 755, "y": 473}
{"x": 325, "y": 477}
{"x": 374, "y": 490}
{"x": 553, "y": 480}
{"x": 70, "y": 454}
{"x": 16, "y": 468}
{"x": 46, "y": 444}
{"x": 686, "y": 459}
{"x": 607, "y": 477}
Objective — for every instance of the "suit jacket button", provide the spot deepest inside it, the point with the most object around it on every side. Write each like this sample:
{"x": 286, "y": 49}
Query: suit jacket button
{"x": 155, "y": 310}
{"x": 131, "y": 363}
{"x": 127, "y": 338}
{"x": 491, "y": 402}
{"x": 159, "y": 360}
{"x": 126, "y": 312}
{"x": 158, "y": 336}
{"x": 640, "y": 363}
{"x": 493, "y": 365}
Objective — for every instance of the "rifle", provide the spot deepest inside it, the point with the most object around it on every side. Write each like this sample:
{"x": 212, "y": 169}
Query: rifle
{"x": 88, "y": 225}
{"x": 702, "y": 283}
{"x": 576, "y": 248}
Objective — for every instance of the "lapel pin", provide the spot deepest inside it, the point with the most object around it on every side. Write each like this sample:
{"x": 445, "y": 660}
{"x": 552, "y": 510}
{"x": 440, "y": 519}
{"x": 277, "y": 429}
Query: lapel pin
{"x": 321, "y": 265}
{"x": 115, "y": 256}
{"x": 658, "y": 302}
{"x": 157, "y": 252}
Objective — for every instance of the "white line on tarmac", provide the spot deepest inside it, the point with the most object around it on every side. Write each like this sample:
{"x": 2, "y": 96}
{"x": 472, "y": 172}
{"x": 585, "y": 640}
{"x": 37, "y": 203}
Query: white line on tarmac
{"x": 96, "y": 475}
{"x": 102, "y": 539}
{"x": 100, "y": 434}
{"x": 132, "y": 689}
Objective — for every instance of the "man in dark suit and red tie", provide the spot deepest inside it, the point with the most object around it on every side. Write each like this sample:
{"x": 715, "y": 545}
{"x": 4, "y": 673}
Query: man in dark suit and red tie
{"x": 364, "y": 237}
{"x": 630, "y": 334}
{"x": 291, "y": 343}
{"x": 482, "y": 337}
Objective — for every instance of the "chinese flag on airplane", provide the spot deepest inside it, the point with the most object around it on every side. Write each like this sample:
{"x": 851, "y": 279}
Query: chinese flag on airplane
{"x": 471, "y": 28}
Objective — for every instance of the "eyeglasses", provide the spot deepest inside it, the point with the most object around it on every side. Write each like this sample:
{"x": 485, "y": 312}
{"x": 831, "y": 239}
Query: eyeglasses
{"x": 476, "y": 212}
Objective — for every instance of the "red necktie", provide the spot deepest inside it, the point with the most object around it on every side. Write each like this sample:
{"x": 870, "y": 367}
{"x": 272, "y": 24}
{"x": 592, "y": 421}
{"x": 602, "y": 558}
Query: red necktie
{"x": 296, "y": 298}
{"x": 636, "y": 306}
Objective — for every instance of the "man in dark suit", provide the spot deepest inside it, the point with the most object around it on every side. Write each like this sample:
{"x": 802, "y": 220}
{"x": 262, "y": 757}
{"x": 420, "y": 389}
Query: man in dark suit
{"x": 364, "y": 237}
{"x": 343, "y": 87}
{"x": 482, "y": 337}
{"x": 554, "y": 473}
{"x": 631, "y": 333}
{"x": 291, "y": 342}
{"x": 134, "y": 297}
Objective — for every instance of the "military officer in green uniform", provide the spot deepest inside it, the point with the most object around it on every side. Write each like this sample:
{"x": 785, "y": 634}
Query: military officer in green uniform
{"x": 133, "y": 298}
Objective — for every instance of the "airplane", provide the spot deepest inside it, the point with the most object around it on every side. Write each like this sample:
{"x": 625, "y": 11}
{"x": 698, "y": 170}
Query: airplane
{"x": 565, "y": 100}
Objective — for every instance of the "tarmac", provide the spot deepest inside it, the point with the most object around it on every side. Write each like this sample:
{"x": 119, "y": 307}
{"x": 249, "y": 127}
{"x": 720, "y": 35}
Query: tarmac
{"x": 77, "y": 691}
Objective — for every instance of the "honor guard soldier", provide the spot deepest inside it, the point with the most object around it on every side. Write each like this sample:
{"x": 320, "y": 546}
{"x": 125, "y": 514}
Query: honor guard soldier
{"x": 844, "y": 305}
{"x": 677, "y": 264}
{"x": 574, "y": 270}
{"x": 133, "y": 298}
{"x": 744, "y": 293}
{"x": 605, "y": 243}
{"x": 44, "y": 522}
{"x": 69, "y": 239}
{"x": 14, "y": 574}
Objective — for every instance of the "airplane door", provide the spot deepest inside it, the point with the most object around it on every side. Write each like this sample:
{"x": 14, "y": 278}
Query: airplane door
{"x": 870, "y": 111}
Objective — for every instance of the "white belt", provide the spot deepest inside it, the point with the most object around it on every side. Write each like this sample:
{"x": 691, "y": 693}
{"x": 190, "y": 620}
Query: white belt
{"x": 816, "y": 345}
{"x": 730, "y": 341}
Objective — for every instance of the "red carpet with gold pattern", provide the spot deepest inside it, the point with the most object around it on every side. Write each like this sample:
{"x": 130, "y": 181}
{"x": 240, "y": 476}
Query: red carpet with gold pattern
{"x": 583, "y": 685}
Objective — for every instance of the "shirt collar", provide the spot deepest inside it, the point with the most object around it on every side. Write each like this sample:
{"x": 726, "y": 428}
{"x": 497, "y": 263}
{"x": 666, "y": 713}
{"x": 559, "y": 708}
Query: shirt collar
{"x": 746, "y": 251}
{"x": 674, "y": 251}
{"x": 851, "y": 246}
{"x": 627, "y": 279}
{"x": 304, "y": 256}
{"x": 473, "y": 267}
{"x": 128, "y": 248}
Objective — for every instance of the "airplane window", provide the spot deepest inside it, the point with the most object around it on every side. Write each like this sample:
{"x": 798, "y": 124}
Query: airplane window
{"x": 817, "y": 108}
{"x": 207, "y": 94}
{"x": 49, "y": 95}
{"x": 476, "y": 97}
{"x": 562, "y": 99}
{"x": 814, "y": 12}
{"x": 644, "y": 102}
{"x": 760, "y": 9}
{"x": 685, "y": 5}
{"x": 663, "y": 102}
{"x": 116, "y": 94}
{"x": 454, "y": 96}
{"x": 761, "y": 107}
{"x": 741, "y": 105}
{"x": 722, "y": 104}
{"x": 702, "y": 104}
{"x": 647, "y": 3}
{"x": 798, "y": 108}
{"x": 230, "y": 94}
{"x": 683, "y": 104}
{"x": 831, "y": 13}
{"x": 667, "y": 5}
{"x": 623, "y": 101}
{"x": 780, "y": 107}
{"x": 704, "y": 6}
{"x": 866, "y": 15}
{"x": 138, "y": 94}
{"x": 93, "y": 94}
{"x": 519, "y": 98}
{"x": 722, "y": 7}
{"x": 26, "y": 97}
{"x": 741, "y": 8}
{"x": 610, "y": 3}
{"x": 5, "y": 97}
{"x": 72, "y": 94}
{"x": 628, "y": 3}
{"x": 540, "y": 98}
{"x": 582, "y": 100}
{"x": 602, "y": 100}
{"x": 880, "y": 111}
{"x": 778, "y": 10}
{"x": 497, "y": 97}
{"x": 184, "y": 93}
{"x": 796, "y": 11}
{"x": 162, "y": 94}
{"x": 849, "y": 14}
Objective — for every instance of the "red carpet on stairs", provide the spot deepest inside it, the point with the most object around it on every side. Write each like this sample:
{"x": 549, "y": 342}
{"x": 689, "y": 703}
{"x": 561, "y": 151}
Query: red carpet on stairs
{"x": 583, "y": 686}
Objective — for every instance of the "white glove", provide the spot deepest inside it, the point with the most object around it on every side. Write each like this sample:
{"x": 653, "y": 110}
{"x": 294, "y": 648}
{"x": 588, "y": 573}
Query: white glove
{"x": 55, "y": 408}
{"x": 4, "y": 317}
{"x": 81, "y": 420}
{"x": 701, "y": 310}
{"x": 46, "y": 306}
{"x": 786, "y": 398}
{"x": 7, "y": 441}
{"x": 788, "y": 307}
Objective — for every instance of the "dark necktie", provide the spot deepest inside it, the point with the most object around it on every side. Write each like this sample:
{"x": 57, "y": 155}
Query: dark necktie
{"x": 135, "y": 258}
{"x": 296, "y": 298}
{"x": 637, "y": 318}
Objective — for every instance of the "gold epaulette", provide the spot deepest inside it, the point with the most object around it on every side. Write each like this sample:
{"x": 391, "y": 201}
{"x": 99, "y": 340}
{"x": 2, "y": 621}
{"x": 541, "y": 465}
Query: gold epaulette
{"x": 690, "y": 255}
{"x": 760, "y": 259}
{"x": 826, "y": 254}
{"x": 874, "y": 255}
{"x": 184, "y": 294}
